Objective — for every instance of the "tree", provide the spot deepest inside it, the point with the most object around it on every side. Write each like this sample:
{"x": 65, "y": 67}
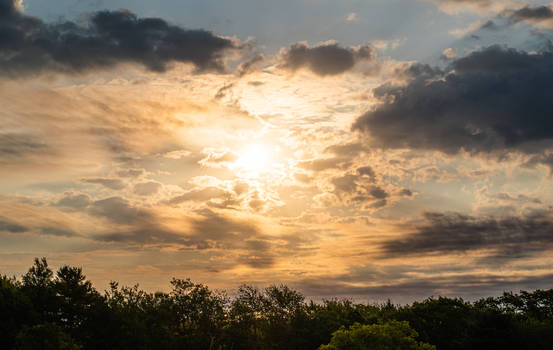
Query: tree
{"x": 38, "y": 286}
{"x": 48, "y": 336}
{"x": 16, "y": 310}
{"x": 393, "y": 335}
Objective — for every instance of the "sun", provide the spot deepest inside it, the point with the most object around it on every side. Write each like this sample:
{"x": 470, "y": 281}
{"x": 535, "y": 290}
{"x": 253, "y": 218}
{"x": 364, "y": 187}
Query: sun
{"x": 254, "y": 159}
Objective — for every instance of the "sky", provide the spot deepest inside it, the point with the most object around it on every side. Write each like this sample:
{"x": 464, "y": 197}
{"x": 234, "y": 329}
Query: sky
{"x": 372, "y": 150}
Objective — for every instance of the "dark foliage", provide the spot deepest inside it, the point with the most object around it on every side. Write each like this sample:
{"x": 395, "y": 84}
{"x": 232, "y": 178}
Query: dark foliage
{"x": 44, "y": 310}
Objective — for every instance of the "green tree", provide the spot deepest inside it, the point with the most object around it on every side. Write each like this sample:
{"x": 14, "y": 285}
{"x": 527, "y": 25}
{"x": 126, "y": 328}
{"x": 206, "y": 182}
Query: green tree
{"x": 392, "y": 335}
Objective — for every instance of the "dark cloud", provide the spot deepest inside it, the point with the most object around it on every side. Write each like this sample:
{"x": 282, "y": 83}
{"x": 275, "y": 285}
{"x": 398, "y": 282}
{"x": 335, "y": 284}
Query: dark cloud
{"x": 378, "y": 193}
{"x": 120, "y": 211}
{"x": 506, "y": 237}
{"x": 207, "y": 230}
{"x": 133, "y": 225}
{"x": 16, "y": 145}
{"x": 468, "y": 286}
{"x": 29, "y": 45}
{"x": 543, "y": 159}
{"x": 496, "y": 99}
{"x": 325, "y": 59}
{"x": 250, "y": 65}
{"x": 489, "y": 25}
{"x": 406, "y": 192}
{"x": 75, "y": 201}
{"x": 213, "y": 230}
{"x": 8, "y": 226}
{"x": 367, "y": 171}
{"x": 144, "y": 236}
{"x": 346, "y": 183}
{"x": 532, "y": 14}
{"x": 114, "y": 184}
{"x": 521, "y": 198}
{"x": 57, "y": 231}
{"x": 12, "y": 227}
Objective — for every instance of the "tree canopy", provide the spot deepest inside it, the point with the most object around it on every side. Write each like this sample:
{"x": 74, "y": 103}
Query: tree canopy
{"x": 63, "y": 310}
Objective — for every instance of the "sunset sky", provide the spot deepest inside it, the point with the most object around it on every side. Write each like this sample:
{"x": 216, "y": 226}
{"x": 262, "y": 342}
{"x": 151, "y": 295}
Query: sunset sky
{"x": 368, "y": 149}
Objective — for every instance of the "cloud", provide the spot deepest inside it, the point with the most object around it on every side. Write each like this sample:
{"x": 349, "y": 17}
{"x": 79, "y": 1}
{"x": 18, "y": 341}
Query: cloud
{"x": 321, "y": 164}
{"x": 325, "y": 59}
{"x": 131, "y": 172}
{"x": 217, "y": 158}
{"x": 449, "y": 54}
{"x": 29, "y": 45}
{"x": 199, "y": 195}
{"x": 17, "y": 145}
{"x": 120, "y": 211}
{"x": 467, "y": 285}
{"x": 367, "y": 171}
{"x": 250, "y": 65}
{"x": 461, "y": 32}
{"x": 540, "y": 15}
{"x": 351, "y": 17}
{"x": 76, "y": 201}
{"x": 147, "y": 188}
{"x": 129, "y": 224}
{"x": 509, "y": 237}
{"x": 496, "y": 99}
{"x": 478, "y": 6}
{"x": 8, "y": 226}
{"x": 114, "y": 184}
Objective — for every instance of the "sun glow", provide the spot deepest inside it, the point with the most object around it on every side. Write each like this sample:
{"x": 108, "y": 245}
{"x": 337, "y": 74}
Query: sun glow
{"x": 254, "y": 159}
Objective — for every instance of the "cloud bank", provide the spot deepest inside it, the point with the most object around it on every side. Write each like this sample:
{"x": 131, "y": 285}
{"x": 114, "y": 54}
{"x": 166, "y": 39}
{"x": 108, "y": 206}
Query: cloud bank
{"x": 496, "y": 99}
{"x": 325, "y": 59}
{"x": 29, "y": 45}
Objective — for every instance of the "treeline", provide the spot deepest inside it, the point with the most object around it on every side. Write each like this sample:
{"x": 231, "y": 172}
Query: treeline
{"x": 62, "y": 310}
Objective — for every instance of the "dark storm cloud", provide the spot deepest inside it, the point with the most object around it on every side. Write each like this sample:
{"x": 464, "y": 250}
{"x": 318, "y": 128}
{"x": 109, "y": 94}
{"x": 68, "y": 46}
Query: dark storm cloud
{"x": 29, "y": 45}
{"x": 507, "y": 237}
{"x": 496, "y": 99}
{"x": 325, "y": 59}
